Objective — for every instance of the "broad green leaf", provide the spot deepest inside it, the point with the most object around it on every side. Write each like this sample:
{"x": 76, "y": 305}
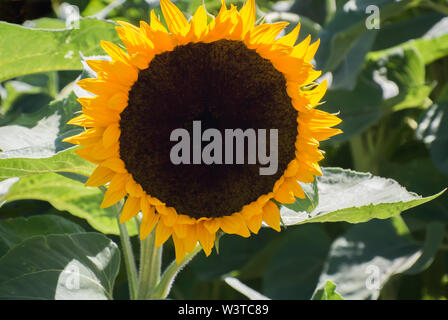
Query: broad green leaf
{"x": 39, "y": 134}
{"x": 21, "y": 96}
{"x": 398, "y": 32}
{"x": 421, "y": 176}
{"x": 244, "y": 289}
{"x": 26, "y": 50}
{"x": 62, "y": 267}
{"x": 389, "y": 82}
{"x": 13, "y": 231}
{"x": 293, "y": 272}
{"x": 348, "y": 25}
{"x": 435, "y": 233}
{"x": 46, "y": 23}
{"x": 364, "y": 258}
{"x": 327, "y": 292}
{"x": 432, "y": 45}
{"x": 63, "y": 162}
{"x": 355, "y": 197}
{"x": 404, "y": 69}
{"x": 433, "y": 130}
{"x": 346, "y": 74}
{"x": 359, "y": 108}
{"x": 67, "y": 195}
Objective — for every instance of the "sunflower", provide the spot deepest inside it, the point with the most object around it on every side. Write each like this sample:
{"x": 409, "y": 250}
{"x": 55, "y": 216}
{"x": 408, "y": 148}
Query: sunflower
{"x": 227, "y": 73}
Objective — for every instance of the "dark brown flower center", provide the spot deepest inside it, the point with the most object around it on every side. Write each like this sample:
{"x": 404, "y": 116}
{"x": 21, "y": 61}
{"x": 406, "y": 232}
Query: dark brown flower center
{"x": 224, "y": 85}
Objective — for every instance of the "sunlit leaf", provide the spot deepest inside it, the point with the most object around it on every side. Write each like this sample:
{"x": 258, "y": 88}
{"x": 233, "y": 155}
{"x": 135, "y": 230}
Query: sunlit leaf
{"x": 355, "y": 197}
{"x": 27, "y": 50}
{"x": 67, "y": 195}
{"x": 63, "y": 267}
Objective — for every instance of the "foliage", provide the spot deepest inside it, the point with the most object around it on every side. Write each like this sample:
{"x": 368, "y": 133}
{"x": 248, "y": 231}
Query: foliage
{"x": 389, "y": 85}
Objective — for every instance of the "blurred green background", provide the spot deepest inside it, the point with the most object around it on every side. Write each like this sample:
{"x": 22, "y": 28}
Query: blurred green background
{"x": 388, "y": 81}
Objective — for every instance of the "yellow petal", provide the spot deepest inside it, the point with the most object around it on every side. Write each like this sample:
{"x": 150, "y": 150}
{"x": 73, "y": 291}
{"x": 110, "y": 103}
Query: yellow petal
{"x": 266, "y": 33}
{"x": 284, "y": 194}
{"x": 133, "y": 188}
{"x": 191, "y": 238}
{"x": 118, "y": 101}
{"x": 174, "y": 18}
{"x": 163, "y": 232}
{"x": 300, "y": 49}
{"x": 100, "y": 177}
{"x": 198, "y": 23}
{"x": 254, "y": 223}
{"x": 87, "y": 137}
{"x": 112, "y": 197}
{"x": 271, "y": 215}
{"x": 247, "y": 14}
{"x": 130, "y": 209}
{"x": 114, "y": 51}
{"x": 180, "y": 230}
{"x": 115, "y": 164}
{"x": 211, "y": 225}
{"x": 206, "y": 238}
{"x": 149, "y": 219}
{"x": 179, "y": 248}
{"x": 311, "y": 51}
{"x": 169, "y": 215}
{"x": 115, "y": 192}
{"x": 156, "y": 25}
{"x": 291, "y": 38}
{"x": 292, "y": 168}
{"x": 111, "y": 135}
{"x": 234, "y": 224}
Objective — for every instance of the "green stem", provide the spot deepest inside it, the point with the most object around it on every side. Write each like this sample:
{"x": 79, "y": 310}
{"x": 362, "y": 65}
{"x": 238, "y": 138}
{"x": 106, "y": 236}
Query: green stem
{"x": 331, "y": 10}
{"x": 359, "y": 150}
{"x": 435, "y": 6}
{"x": 128, "y": 255}
{"x": 162, "y": 290}
{"x": 150, "y": 266}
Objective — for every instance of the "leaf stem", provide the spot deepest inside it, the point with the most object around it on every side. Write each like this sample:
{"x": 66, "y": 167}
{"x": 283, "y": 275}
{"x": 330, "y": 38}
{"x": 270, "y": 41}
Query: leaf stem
{"x": 162, "y": 290}
{"x": 128, "y": 254}
{"x": 150, "y": 266}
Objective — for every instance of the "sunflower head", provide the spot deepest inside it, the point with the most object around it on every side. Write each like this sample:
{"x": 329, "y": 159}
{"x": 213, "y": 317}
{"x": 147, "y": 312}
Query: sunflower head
{"x": 224, "y": 73}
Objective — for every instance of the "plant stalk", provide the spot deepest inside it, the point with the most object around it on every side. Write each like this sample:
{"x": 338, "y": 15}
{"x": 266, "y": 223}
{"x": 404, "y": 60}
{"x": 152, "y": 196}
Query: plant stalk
{"x": 128, "y": 255}
{"x": 150, "y": 266}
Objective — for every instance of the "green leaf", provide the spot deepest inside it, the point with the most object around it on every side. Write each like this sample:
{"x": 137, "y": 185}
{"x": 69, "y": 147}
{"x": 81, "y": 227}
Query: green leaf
{"x": 355, "y": 197}
{"x": 68, "y": 195}
{"x": 405, "y": 68}
{"x": 435, "y": 233}
{"x": 364, "y": 258}
{"x": 62, "y": 267}
{"x": 39, "y": 134}
{"x": 433, "y": 130}
{"x": 327, "y": 292}
{"x": 293, "y": 272}
{"x": 63, "y": 162}
{"x": 346, "y": 74}
{"x": 348, "y": 25}
{"x": 14, "y": 231}
{"x": 26, "y": 50}
{"x": 432, "y": 45}
{"x": 398, "y": 32}
{"x": 359, "y": 108}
